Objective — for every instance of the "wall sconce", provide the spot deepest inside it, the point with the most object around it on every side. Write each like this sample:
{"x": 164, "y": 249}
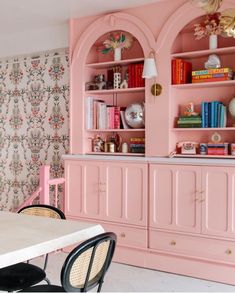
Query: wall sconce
{"x": 150, "y": 71}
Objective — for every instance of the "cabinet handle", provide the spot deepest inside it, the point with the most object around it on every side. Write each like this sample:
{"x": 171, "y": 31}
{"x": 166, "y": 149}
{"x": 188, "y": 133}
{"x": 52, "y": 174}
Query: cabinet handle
{"x": 228, "y": 251}
{"x": 173, "y": 243}
{"x": 202, "y": 200}
{"x": 122, "y": 235}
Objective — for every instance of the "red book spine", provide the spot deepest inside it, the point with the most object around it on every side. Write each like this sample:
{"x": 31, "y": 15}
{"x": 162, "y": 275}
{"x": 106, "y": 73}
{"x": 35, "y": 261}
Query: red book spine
{"x": 116, "y": 117}
{"x": 130, "y": 76}
{"x": 173, "y": 71}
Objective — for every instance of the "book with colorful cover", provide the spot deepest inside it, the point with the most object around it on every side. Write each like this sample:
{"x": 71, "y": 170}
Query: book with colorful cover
{"x": 226, "y": 78}
{"x": 211, "y": 71}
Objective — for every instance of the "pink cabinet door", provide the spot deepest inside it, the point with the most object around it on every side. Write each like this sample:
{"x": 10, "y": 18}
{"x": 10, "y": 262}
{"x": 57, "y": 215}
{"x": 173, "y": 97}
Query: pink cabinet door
{"x": 82, "y": 189}
{"x": 73, "y": 188}
{"x": 126, "y": 193}
{"x": 218, "y": 201}
{"x": 174, "y": 197}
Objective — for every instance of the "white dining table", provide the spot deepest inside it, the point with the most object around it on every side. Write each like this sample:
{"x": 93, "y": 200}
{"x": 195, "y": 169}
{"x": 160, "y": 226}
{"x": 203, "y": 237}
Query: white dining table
{"x": 23, "y": 237}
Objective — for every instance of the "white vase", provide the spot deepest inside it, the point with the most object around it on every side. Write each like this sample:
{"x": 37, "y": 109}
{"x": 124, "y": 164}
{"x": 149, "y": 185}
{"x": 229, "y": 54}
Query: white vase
{"x": 117, "y": 54}
{"x": 213, "y": 41}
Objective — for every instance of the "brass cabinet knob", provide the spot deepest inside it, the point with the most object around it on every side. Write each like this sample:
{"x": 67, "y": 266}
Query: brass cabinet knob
{"x": 228, "y": 251}
{"x": 173, "y": 243}
{"x": 122, "y": 235}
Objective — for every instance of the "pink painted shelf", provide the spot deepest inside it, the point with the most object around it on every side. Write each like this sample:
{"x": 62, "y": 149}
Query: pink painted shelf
{"x": 201, "y": 53}
{"x": 203, "y": 156}
{"x": 111, "y": 91}
{"x": 205, "y": 85}
{"x": 116, "y": 154}
{"x": 114, "y": 63}
{"x": 203, "y": 129}
{"x": 115, "y": 130}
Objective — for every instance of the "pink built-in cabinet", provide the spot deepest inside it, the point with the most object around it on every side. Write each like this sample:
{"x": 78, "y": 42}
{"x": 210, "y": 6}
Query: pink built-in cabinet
{"x": 170, "y": 214}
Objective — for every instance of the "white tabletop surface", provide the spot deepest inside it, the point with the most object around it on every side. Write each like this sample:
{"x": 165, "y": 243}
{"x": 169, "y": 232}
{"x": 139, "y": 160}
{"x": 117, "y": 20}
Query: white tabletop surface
{"x": 23, "y": 237}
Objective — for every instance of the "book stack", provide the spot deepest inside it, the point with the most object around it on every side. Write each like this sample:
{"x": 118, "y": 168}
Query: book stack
{"x": 99, "y": 115}
{"x": 217, "y": 148}
{"x": 189, "y": 121}
{"x": 212, "y": 75}
{"x": 181, "y": 71}
{"x": 135, "y": 75}
{"x": 137, "y": 145}
{"x": 214, "y": 114}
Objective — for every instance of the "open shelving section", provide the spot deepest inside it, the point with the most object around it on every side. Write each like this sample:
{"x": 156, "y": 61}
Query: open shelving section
{"x": 104, "y": 103}
{"x": 197, "y": 93}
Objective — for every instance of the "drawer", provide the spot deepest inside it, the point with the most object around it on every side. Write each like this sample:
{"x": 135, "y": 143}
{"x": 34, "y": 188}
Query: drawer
{"x": 127, "y": 236}
{"x": 191, "y": 246}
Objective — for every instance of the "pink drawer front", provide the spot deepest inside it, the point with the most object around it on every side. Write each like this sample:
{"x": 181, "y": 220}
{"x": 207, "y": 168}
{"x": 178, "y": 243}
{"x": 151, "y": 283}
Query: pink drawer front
{"x": 127, "y": 236}
{"x": 191, "y": 246}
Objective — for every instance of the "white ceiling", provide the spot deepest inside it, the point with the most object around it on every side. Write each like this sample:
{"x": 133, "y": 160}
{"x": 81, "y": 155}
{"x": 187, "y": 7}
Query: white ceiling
{"x": 28, "y": 26}
{"x": 21, "y": 15}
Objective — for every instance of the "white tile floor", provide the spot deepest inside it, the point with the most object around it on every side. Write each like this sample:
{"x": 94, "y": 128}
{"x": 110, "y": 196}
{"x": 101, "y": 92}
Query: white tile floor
{"x": 123, "y": 278}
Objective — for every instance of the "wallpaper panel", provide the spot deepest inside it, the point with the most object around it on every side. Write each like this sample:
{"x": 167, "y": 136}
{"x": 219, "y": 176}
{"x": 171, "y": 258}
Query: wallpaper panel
{"x": 34, "y": 122}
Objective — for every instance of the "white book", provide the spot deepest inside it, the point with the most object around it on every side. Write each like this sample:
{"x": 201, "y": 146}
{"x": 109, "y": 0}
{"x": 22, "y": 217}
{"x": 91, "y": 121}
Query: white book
{"x": 102, "y": 115}
{"x": 89, "y": 113}
{"x": 125, "y": 125}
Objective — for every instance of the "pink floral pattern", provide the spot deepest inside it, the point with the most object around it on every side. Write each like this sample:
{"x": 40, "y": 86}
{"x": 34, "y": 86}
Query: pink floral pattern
{"x": 34, "y": 122}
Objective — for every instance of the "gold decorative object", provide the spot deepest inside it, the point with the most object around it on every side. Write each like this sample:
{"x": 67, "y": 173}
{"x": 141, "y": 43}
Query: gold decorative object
{"x": 210, "y": 6}
{"x": 227, "y": 22}
{"x": 156, "y": 89}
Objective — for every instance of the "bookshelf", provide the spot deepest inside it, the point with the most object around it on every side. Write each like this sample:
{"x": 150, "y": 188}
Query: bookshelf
{"x": 196, "y": 93}
{"x": 94, "y": 122}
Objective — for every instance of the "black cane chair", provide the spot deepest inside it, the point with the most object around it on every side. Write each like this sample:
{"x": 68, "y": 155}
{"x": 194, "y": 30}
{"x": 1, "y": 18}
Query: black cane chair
{"x": 23, "y": 275}
{"x": 84, "y": 267}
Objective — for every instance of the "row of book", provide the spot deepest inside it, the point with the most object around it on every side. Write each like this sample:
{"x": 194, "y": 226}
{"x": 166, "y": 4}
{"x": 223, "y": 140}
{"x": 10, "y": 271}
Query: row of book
{"x": 181, "y": 71}
{"x": 212, "y": 75}
{"x": 189, "y": 122}
{"x": 217, "y": 148}
{"x": 137, "y": 145}
{"x": 135, "y": 75}
{"x": 100, "y": 115}
{"x": 214, "y": 114}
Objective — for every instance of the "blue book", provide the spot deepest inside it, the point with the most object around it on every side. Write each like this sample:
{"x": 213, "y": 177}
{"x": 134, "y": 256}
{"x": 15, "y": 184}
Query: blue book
{"x": 212, "y": 112}
{"x": 203, "y": 114}
{"x": 208, "y": 115}
{"x": 219, "y": 115}
{"x": 206, "y": 106}
{"x": 216, "y": 103}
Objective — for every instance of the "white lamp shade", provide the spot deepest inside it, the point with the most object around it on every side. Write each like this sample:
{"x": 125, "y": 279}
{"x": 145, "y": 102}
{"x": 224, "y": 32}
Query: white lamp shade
{"x": 149, "y": 70}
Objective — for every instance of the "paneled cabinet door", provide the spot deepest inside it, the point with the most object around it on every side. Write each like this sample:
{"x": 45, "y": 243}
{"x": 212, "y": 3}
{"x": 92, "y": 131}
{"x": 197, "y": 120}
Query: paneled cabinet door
{"x": 126, "y": 192}
{"x": 82, "y": 189}
{"x": 175, "y": 197}
{"x": 218, "y": 201}
{"x": 107, "y": 191}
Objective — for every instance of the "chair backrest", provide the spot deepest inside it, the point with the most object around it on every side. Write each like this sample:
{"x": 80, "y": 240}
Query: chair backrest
{"x": 42, "y": 210}
{"x": 86, "y": 265}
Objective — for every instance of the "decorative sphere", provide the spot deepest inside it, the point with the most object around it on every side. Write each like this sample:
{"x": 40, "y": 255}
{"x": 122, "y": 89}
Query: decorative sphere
{"x": 231, "y": 107}
{"x": 134, "y": 115}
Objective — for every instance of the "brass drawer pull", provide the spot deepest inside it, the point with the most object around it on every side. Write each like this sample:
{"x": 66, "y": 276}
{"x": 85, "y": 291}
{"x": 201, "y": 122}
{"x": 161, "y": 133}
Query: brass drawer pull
{"x": 173, "y": 243}
{"x": 122, "y": 235}
{"x": 228, "y": 251}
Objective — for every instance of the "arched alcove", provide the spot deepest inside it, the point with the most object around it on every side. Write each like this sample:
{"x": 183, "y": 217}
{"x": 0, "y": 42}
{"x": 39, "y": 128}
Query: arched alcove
{"x": 177, "y": 40}
{"x": 87, "y": 52}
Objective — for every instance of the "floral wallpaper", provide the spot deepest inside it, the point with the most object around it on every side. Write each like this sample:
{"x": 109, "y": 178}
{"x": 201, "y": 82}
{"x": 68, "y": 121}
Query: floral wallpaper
{"x": 34, "y": 122}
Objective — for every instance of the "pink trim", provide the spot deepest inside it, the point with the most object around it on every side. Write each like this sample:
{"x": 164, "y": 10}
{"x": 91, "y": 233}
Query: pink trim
{"x": 43, "y": 191}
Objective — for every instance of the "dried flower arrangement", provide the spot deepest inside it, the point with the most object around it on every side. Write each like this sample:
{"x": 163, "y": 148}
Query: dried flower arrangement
{"x": 117, "y": 40}
{"x": 209, "y": 26}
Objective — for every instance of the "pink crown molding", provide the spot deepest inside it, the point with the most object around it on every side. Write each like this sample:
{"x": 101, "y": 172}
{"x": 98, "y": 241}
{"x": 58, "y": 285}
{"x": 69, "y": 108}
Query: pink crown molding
{"x": 111, "y": 22}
